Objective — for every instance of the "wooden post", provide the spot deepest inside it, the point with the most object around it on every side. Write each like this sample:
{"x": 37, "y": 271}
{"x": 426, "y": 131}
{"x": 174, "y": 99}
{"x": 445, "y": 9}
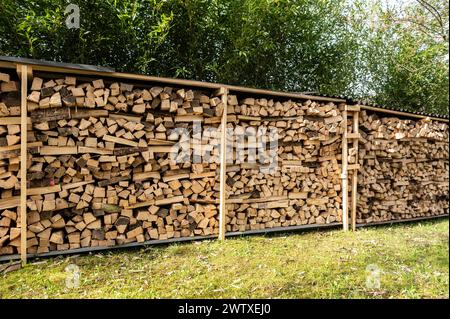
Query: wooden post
{"x": 355, "y": 171}
{"x": 23, "y": 163}
{"x": 344, "y": 173}
{"x": 223, "y": 166}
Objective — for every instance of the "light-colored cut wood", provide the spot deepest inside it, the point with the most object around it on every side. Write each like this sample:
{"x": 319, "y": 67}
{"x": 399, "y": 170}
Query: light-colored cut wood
{"x": 223, "y": 168}
{"x": 344, "y": 174}
{"x": 355, "y": 173}
{"x": 119, "y": 140}
{"x": 43, "y": 190}
{"x": 23, "y": 165}
{"x": 60, "y": 150}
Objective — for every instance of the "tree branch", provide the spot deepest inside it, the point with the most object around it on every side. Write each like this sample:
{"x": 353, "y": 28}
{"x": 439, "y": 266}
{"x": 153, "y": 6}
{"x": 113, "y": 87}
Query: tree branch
{"x": 430, "y": 8}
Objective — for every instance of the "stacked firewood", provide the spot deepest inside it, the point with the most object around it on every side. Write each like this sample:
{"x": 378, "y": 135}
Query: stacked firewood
{"x": 294, "y": 182}
{"x": 9, "y": 163}
{"x": 404, "y": 168}
{"x": 111, "y": 163}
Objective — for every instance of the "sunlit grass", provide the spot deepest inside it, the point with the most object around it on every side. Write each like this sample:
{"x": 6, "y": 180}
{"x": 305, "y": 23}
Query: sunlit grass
{"x": 413, "y": 261}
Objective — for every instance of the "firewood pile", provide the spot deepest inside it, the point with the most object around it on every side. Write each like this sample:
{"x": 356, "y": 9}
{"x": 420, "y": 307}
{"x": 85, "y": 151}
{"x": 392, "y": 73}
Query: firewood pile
{"x": 9, "y": 163}
{"x": 298, "y": 182}
{"x": 105, "y": 167}
{"x": 111, "y": 163}
{"x": 404, "y": 168}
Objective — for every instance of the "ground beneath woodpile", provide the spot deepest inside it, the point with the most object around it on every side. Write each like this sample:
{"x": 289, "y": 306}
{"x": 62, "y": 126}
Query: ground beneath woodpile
{"x": 401, "y": 261}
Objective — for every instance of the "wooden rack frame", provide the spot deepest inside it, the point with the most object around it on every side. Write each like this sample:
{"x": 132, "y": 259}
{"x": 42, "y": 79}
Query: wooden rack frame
{"x": 344, "y": 172}
{"x": 25, "y": 72}
{"x": 23, "y": 75}
{"x": 223, "y": 166}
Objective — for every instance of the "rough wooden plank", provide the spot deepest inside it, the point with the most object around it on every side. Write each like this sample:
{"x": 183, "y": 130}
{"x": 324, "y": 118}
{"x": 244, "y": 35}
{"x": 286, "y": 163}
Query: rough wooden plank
{"x": 23, "y": 164}
{"x": 11, "y": 202}
{"x": 223, "y": 168}
{"x": 94, "y": 150}
{"x": 156, "y": 142}
{"x": 58, "y": 150}
{"x": 255, "y": 200}
{"x": 344, "y": 174}
{"x": 355, "y": 172}
{"x": 142, "y": 204}
{"x": 43, "y": 190}
{"x": 400, "y": 113}
{"x": 119, "y": 140}
{"x": 130, "y": 118}
{"x": 202, "y": 175}
{"x": 169, "y": 177}
{"x": 18, "y": 147}
{"x": 76, "y": 185}
{"x": 13, "y": 120}
{"x": 162, "y": 149}
{"x": 170, "y": 200}
{"x": 188, "y": 118}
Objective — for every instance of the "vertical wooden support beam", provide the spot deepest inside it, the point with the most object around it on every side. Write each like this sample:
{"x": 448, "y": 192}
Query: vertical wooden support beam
{"x": 355, "y": 171}
{"x": 223, "y": 166}
{"x": 344, "y": 173}
{"x": 23, "y": 163}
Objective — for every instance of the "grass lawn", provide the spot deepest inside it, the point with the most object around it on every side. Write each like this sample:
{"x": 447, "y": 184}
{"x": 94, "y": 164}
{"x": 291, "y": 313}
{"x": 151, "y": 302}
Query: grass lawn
{"x": 413, "y": 262}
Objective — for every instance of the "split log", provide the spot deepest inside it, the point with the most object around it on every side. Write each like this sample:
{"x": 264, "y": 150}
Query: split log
{"x": 404, "y": 168}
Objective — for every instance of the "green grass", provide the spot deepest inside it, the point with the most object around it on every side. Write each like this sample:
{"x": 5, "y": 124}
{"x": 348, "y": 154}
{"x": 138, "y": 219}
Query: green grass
{"x": 413, "y": 260}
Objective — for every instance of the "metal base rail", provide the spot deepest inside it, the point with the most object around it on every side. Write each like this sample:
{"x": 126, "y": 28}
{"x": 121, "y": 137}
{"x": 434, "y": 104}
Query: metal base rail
{"x": 406, "y": 220}
{"x": 101, "y": 248}
{"x": 195, "y": 238}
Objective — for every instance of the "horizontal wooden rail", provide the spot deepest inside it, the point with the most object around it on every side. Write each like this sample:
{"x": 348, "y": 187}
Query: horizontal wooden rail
{"x": 400, "y": 113}
{"x": 148, "y": 78}
{"x": 208, "y": 85}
